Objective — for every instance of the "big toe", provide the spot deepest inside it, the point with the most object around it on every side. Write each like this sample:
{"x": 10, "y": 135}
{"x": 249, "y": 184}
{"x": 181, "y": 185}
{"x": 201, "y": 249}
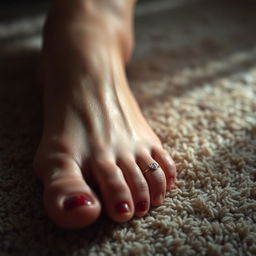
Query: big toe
{"x": 68, "y": 199}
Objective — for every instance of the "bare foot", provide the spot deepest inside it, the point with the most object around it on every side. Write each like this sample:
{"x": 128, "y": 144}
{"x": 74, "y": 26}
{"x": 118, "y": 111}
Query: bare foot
{"x": 95, "y": 136}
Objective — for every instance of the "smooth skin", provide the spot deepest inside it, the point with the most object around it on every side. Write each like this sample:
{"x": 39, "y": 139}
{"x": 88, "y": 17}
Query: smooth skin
{"x": 96, "y": 142}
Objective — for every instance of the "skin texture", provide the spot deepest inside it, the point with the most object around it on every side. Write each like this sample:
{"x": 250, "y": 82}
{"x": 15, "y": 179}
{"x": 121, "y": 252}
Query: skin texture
{"x": 95, "y": 141}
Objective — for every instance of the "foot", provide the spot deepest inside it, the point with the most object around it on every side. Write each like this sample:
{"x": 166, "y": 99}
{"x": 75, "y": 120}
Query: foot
{"x": 96, "y": 142}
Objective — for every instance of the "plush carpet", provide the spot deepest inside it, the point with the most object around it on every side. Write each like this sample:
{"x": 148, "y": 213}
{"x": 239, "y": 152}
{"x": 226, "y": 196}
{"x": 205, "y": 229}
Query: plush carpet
{"x": 194, "y": 75}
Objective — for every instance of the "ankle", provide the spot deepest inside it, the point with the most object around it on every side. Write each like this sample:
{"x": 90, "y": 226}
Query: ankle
{"x": 109, "y": 18}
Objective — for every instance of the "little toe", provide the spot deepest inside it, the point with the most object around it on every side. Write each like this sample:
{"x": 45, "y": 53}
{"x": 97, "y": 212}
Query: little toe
{"x": 137, "y": 184}
{"x": 155, "y": 178}
{"x": 167, "y": 164}
{"x": 68, "y": 200}
{"x": 114, "y": 190}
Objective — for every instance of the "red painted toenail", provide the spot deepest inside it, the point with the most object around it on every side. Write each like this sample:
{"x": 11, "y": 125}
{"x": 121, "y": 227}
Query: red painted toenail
{"x": 76, "y": 201}
{"x": 141, "y": 206}
{"x": 122, "y": 208}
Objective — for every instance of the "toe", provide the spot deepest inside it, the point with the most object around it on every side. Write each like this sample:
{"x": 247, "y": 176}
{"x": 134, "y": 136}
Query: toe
{"x": 114, "y": 190}
{"x": 137, "y": 184}
{"x": 167, "y": 164}
{"x": 68, "y": 200}
{"x": 156, "y": 179}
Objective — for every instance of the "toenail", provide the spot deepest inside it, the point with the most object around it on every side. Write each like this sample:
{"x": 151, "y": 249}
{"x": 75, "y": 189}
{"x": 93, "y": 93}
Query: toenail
{"x": 170, "y": 182}
{"x": 122, "y": 208}
{"x": 76, "y": 201}
{"x": 141, "y": 206}
{"x": 159, "y": 198}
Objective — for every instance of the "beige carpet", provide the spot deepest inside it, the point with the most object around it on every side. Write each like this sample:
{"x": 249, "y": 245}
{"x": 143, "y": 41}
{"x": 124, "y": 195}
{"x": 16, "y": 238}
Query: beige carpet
{"x": 194, "y": 75}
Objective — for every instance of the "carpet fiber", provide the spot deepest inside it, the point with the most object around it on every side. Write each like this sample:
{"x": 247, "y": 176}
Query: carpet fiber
{"x": 194, "y": 75}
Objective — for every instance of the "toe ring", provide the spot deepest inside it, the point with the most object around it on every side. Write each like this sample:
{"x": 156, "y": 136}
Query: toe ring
{"x": 151, "y": 167}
